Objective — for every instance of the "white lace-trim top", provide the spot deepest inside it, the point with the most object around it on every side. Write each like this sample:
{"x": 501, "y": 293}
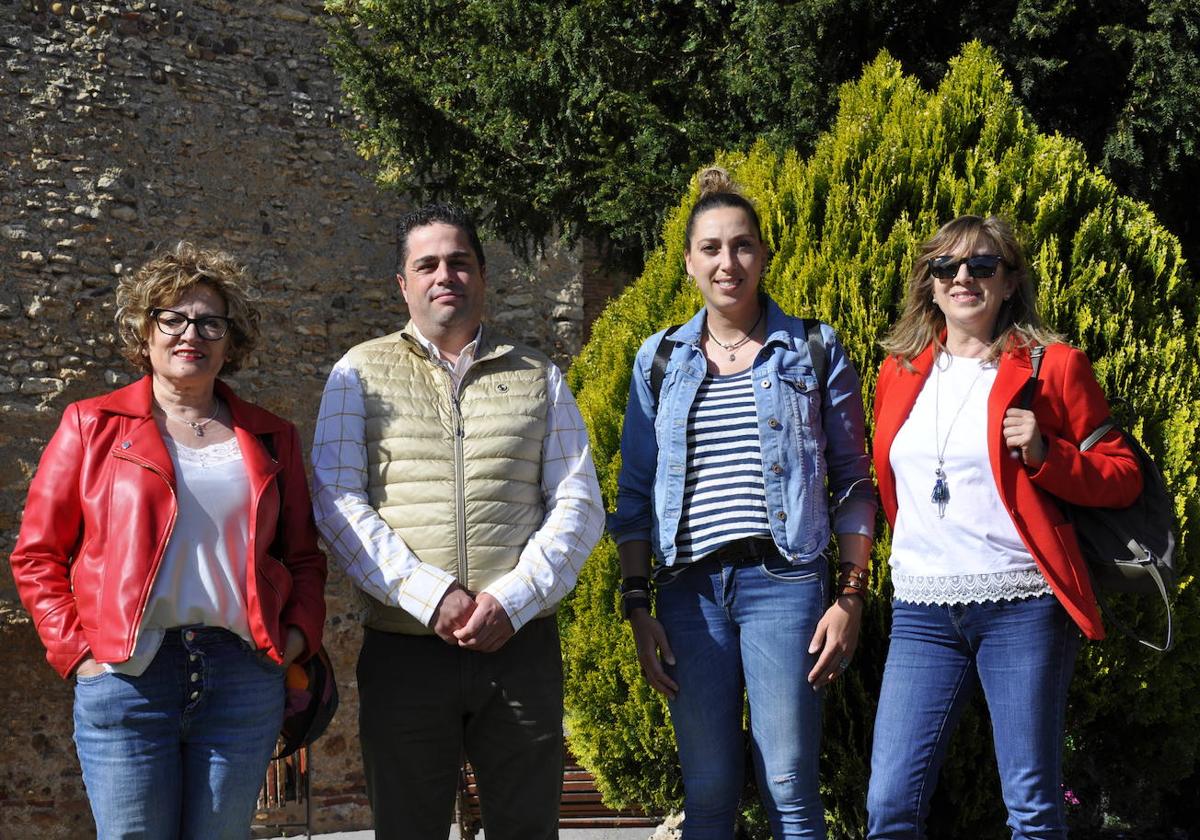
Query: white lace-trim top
{"x": 970, "y": 589}
{"x": 208, "y": 456}
{"x": 202, "y": 576}
{"x": 971, "y": 550}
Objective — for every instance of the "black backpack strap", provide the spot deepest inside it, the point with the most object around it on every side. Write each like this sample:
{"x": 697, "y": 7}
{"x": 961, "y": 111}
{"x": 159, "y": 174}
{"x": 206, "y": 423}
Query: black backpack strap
{"x": 1030, "y": 388}
{"x": 817, "y": 355}
{"x": 658, "y": 368}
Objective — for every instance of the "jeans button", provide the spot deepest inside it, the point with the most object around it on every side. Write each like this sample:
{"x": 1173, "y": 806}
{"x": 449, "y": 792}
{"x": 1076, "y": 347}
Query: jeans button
{"x": 194, "y": 695}
{"x": 195, "y": 678}
{"x": 189, "y": 635}
{"x": 192, "y": 657}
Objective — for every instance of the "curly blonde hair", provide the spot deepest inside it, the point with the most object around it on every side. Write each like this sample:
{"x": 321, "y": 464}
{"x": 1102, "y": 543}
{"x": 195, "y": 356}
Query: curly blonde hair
{"x": 922, "y": 322}
{"x": 165, "y": 279}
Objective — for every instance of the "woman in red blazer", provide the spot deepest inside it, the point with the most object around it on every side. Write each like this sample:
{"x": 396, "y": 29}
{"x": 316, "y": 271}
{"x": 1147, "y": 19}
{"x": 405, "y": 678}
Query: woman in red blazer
{"x": 991, "y": 590}
{"x": 169, "y": 559}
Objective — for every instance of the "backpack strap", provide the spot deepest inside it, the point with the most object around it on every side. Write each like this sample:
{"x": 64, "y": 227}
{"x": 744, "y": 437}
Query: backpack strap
{"x": 817, "y": 355}
{"x": 1110, "y": 616}
{"x": 1029, "y": 390}
{"x": 1094, "y": 438}
{"x": 658, "y": 368}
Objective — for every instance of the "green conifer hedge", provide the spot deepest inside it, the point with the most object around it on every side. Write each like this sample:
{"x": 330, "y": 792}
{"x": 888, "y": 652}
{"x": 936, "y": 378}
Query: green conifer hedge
{"x": 843, "y": 227}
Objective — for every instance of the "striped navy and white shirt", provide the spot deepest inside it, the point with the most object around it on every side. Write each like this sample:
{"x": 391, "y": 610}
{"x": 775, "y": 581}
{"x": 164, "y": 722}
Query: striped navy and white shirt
{"x": 724, "y": 496}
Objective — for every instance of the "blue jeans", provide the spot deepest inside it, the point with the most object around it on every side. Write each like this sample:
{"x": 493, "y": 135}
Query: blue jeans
{"x": 181, "y": 750}
{"x": 746, "y": 625}
{"x": 1022, "y": 654}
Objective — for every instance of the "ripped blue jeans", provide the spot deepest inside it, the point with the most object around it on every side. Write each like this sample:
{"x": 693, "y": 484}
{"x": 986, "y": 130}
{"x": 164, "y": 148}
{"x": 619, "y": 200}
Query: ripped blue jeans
{"x": 746, "y": 625}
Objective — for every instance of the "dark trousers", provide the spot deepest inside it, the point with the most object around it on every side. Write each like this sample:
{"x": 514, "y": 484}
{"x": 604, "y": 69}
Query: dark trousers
{"x": 423, "y": 703}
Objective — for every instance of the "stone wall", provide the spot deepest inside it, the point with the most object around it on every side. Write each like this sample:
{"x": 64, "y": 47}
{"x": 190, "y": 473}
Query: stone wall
{"x": 123, "y": 128}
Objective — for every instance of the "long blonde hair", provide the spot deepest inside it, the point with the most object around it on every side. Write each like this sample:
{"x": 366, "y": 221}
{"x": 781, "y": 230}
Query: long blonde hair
{"x": 922, "y": 322}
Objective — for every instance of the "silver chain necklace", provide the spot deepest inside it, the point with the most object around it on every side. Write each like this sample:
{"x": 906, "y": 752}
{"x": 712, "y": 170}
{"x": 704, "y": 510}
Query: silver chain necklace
{"x": 197, "y": 425}
{"x": 941, "y": 488}
{"x": 733, "y": 348}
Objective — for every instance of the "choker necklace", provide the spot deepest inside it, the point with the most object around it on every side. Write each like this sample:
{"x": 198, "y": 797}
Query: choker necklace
{"x": 941, "y": 488}
{"x": 733, "y": 348}
{"x": 197, "y": 426}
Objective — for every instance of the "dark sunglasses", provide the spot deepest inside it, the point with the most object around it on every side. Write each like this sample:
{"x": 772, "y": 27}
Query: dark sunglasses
{"x": 980, "y": 266}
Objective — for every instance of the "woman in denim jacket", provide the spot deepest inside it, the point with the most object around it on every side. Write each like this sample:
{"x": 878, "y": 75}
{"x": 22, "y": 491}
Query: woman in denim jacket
{"x": 723, "y": 479}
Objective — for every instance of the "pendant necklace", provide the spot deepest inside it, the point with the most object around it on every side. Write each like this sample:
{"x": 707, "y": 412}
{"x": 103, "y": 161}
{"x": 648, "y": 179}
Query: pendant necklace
{"x": 197, "y": 425}
{"x": 941, "y": 488}
{"x": 733, "y": 348}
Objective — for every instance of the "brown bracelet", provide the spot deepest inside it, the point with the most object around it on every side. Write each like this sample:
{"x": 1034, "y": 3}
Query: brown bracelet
{"x": 853, "y": 580}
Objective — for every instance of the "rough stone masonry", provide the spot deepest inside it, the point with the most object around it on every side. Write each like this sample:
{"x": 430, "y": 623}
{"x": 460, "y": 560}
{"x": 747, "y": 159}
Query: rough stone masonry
{"x": 123, "y": 128}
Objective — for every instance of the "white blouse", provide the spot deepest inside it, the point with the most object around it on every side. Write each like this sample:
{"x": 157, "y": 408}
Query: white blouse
{"x": 202, "y": 577}
{"x": 973, "y": 552}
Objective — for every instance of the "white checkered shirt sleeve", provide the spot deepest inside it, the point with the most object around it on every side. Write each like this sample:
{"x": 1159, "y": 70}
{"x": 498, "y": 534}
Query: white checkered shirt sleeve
{"x": 376, "y": 559}
{"x": 550, "y": 562}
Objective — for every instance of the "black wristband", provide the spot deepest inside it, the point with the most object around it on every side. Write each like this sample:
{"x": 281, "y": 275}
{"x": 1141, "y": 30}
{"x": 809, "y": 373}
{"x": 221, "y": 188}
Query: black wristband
{"x": 632, "y": 602}
{"x": 636, "y": 582}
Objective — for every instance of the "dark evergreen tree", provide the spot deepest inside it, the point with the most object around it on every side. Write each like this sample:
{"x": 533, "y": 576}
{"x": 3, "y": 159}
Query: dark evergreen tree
{"x": 550, "y": 116}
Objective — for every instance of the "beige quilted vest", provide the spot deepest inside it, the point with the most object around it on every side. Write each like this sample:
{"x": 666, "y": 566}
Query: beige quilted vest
{"x": 458, "y": 480}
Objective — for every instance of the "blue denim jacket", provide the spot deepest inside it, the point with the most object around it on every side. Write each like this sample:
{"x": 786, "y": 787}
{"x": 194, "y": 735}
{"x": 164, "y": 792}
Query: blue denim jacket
{"x": 804, "y": 441}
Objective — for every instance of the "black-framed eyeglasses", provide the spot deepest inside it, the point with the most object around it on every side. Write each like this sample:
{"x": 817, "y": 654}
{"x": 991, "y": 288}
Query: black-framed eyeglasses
{"x": 208, "y": 327}
{"x": 980, "y": 266}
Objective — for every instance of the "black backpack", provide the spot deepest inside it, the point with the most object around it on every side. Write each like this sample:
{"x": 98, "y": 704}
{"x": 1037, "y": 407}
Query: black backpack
{"x": 1128, "y": 549}
{"x": 812, "y": 333}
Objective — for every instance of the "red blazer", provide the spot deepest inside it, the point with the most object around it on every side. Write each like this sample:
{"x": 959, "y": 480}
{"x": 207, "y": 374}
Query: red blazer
{"x": 1069, "y": 406}
{"x": 101, "y": 509}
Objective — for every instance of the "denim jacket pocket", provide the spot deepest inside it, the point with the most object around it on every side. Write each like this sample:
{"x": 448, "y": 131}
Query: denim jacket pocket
{"x": 803, "y": 397}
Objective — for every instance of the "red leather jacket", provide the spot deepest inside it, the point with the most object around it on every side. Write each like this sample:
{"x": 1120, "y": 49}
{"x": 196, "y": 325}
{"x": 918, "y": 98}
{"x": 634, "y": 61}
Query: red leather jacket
{"x": 1069, "y": 406}
{"x": 101, "y": 509}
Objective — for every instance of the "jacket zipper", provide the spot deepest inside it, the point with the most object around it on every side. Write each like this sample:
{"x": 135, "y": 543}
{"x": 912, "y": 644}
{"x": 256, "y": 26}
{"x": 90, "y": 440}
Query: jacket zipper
{"x": 162, "y": 546}
{"x": 252, "y": 555}
{"x": 460, "y": 484}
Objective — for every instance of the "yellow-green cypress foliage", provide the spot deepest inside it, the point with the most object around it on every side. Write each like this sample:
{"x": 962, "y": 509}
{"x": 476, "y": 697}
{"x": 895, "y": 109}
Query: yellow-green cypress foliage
{"x": 843, "y": 227}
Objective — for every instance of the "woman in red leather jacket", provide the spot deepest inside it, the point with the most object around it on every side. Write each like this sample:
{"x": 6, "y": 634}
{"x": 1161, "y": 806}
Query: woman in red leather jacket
{"x": 991, "y": 591}
{"x": 168, "y": 557}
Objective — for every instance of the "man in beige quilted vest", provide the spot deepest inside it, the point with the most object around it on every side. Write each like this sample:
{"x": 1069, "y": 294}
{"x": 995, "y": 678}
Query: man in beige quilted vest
{"x": 454, "y": 484}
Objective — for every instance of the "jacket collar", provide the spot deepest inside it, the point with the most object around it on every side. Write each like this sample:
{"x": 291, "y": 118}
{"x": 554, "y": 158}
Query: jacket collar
{"x": 488, "y": 343}
{"x": 137, "y": 400}
{"x": 777, "y": 324}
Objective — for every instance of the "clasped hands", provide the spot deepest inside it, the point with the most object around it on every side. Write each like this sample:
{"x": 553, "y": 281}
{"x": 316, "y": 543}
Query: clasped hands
{"x": 476, "y": 622}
